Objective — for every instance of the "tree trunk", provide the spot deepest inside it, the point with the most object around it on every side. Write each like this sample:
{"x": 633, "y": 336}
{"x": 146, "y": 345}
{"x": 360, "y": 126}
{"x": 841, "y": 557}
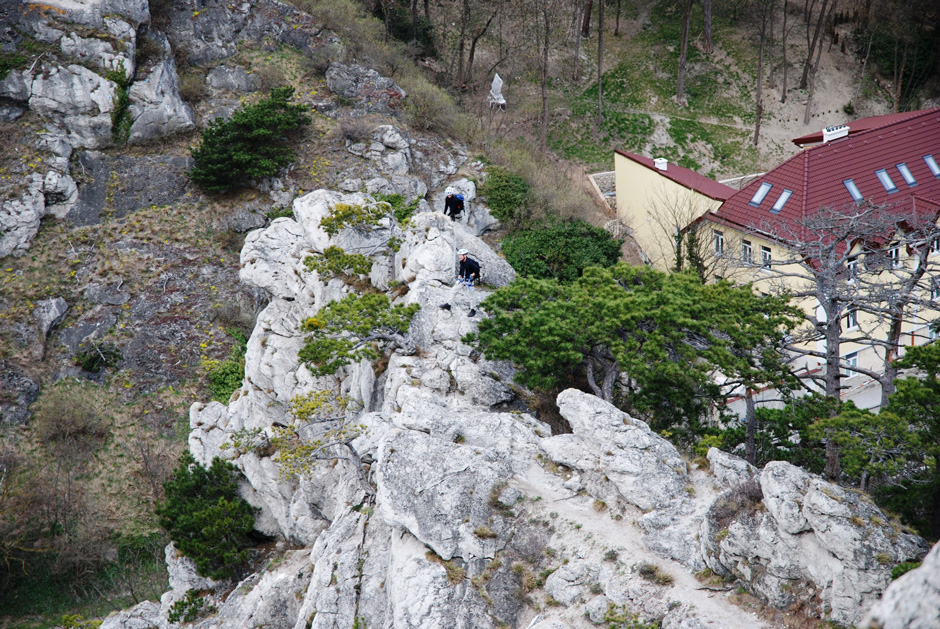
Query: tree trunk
{"x": 812, "y": 74}
{"x": 750, "y": 428}
{"x": 861, "y": 76}
{"x": 783, "y": 47}
{"x": 577, "y": 38}
{"x": 543, "y": 136}
{"x": 759, "y": 105}
{"x": 771, "y": 75}
{"x": 586, "y": 19}
{"x": 414, "y": 21}
{"x": 816, "y": 39}
{"x": 833, "y": 468}
{"x": 473, "y": 46}
{"x": 617, "y": 27}
{"x": 600, "y": 63}
{"x": 465, "y": 17}
{"x": 683, "y": 51}
{"x": 707, "y": 9}
{"x": 427, "y": 10}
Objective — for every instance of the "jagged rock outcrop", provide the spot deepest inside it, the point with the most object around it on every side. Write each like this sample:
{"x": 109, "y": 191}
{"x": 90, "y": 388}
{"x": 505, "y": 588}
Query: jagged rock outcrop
{"x": 792, "y": 537}
{"x": 157, "y": 109}
{"x": 913, "y": 600}
{"x": 469, "y": 506}
{"x": 369, "y": 91}
{"x": 619, "y": 458}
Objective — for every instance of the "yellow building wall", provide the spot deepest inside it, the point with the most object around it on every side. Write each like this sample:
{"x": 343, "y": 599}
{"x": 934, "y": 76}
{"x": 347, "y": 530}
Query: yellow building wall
{"x": 653, "y": 206}
{"x": 786, "y": 277}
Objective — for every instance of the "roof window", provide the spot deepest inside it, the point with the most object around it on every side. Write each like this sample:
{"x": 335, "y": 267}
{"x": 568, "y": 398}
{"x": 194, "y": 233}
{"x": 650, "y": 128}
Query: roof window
{"x": 853, "y": 190}
{"x": 932, "y": 165}
{"x": 885, "y": 180}
{"x": 758, "y": 197}
{"x": 906, "y": 174}
{"x": 784, "y": 197}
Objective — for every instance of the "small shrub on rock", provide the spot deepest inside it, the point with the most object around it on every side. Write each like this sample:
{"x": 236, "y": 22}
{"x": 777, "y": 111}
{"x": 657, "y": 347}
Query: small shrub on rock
{"x": 253, "y": 144}
{"x": 205, "y": 517}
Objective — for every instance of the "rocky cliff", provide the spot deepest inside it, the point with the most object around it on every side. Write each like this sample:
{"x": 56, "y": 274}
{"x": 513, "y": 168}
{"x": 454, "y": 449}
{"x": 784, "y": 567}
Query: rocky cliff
{"x": 472, "y": 513}
{"x": 481, "y": 517}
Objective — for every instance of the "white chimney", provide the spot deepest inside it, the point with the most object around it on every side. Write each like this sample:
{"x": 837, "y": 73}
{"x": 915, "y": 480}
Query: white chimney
{"x": 661, "y": 163}
{"x": 836, "y": 132}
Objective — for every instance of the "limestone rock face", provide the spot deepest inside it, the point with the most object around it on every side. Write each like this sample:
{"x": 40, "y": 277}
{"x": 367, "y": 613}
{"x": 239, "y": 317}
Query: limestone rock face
{"x": 795, "y": 538}
{"x": 436, "y": 496}
{"x": 96, "y": 12}
{"x": 78, "y": 100}
{"x": 913, "y": 600}
{"x": 641, "y": 468}
{"x": 370, "y": 91}
{"x": 730, "y": 470}
{"x": 157, "y": 109}
{"x": 114, "y": 54}
{"x": 19, "y": 218}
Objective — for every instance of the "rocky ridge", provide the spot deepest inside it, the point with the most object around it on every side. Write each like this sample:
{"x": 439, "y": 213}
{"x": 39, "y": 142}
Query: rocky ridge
{"x": 481, "y": 517}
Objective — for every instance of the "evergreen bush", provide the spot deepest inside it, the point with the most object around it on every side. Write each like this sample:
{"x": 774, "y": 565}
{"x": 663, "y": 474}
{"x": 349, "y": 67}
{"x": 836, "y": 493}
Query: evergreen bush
{"x": 506, "y": 193}
{"x": 560, "y": 251}
{"x": 205, "y": 517}
{"x": 253, "y": 144}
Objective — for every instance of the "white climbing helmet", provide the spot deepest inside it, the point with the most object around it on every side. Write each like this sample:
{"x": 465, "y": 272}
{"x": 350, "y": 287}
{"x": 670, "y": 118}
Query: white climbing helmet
{"x": 448, "y": 191}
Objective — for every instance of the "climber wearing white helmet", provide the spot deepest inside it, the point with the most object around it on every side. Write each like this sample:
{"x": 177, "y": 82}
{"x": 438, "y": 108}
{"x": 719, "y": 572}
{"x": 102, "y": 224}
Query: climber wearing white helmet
{"x": 453, "y": 203}
{"x": 467, "y": 274}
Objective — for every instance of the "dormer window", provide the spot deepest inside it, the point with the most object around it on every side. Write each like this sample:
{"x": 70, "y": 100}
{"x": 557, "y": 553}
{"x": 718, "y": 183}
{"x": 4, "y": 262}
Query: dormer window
{"x": 885, "y": 180}
{"x": 906, "y": 174}
{"x": 778, "y": 205}
{"x": 853, "y": 190}
{"x": 932, "y": 165}
{"x": 758, "y": 197}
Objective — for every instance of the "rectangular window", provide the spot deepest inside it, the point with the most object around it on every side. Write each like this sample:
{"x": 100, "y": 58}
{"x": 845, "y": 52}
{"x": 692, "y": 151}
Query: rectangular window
{"x": 784, "y": 196}
{"x": 935, "y": 245}
{"x": 935, "y": 289}
{"x": 885, "y": 180}
{"x": 851, "y": 318}
{"x": 746, "y": 252}
{"x": 849, "y": 360}
{"x": 765, "y": 256}
{"x": 851, "y": 268}
{"x": 719, "y": 239}
{"x": 906, "y": 174}
{"x": 932, "y": 165}
{"x": 853, "y": 190}
{"x": 758, "y": 197}
{"x": 894, "y": 257}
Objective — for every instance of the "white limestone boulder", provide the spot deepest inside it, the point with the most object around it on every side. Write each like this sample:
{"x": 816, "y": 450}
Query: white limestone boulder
{"x": 913, "y": 600}
{"x": 20, "y": 217}
{"x": 728, "y": 469}
{"x": 437, "y": 491}
{"x": 156, "y": 108}
{"x": 76, "y": 99}
{"x": 795, "y": 539}
{"x": 618, "y": 457}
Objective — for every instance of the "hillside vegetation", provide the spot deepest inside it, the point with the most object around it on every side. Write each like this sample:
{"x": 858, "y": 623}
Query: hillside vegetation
{"x": 157, "y": 319}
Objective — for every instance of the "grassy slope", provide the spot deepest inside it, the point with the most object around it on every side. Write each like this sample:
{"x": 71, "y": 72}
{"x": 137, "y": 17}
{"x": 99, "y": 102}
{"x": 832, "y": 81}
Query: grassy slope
{"x": 711, "y": 135}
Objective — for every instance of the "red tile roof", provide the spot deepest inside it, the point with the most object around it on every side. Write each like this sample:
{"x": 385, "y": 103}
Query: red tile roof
{"x": 685, "y": 177}
{"x": 857, "y": 126}
{"x": 816, "y": 175}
